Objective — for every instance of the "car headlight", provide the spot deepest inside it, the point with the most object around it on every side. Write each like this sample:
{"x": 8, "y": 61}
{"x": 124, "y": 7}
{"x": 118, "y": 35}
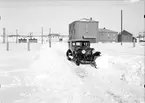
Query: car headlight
{"x": 93, "y": 51}
{"x": 83, "y": 51}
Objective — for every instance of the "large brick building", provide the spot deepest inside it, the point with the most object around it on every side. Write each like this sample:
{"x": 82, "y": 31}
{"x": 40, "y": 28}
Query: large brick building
{"x": 106, "y": 35}
{"x": 84, "y": 29}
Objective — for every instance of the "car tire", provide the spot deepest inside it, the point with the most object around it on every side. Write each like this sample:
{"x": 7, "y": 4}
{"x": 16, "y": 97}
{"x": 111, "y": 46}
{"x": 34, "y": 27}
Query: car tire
{"x": 77, "y": 62}
{"x": 68, "y": 54}
{"x": 97, "y": 53}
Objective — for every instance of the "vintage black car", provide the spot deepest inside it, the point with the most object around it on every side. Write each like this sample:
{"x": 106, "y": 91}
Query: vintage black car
{"x": 81, "y": 53}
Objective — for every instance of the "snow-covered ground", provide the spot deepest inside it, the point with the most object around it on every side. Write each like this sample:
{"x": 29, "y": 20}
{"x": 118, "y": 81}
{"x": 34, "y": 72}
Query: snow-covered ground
{"x": 44, "y": 75}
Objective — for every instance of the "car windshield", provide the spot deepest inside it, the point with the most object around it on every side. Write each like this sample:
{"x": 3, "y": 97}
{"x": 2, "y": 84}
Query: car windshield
{"x": 80, "y": 43}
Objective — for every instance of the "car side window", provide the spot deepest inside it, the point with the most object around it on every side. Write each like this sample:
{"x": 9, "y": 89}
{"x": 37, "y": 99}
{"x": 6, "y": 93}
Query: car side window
{"x": 87, "y": 44}
{"x": 83, "y": 44}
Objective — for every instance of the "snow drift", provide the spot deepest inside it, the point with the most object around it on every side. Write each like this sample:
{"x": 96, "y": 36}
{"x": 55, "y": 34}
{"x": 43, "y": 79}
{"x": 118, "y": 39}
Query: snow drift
{"x": 118, "y": 79}
{"x": 55, "y": 81}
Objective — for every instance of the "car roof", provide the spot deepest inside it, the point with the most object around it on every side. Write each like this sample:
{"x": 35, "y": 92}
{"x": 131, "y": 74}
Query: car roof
{"x": 78, "y": 40}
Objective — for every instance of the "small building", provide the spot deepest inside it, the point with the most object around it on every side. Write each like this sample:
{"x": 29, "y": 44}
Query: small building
{"x": 54, "y": 35}
{"x": 86, "y": 29}
{"x": 106, "y": 35}
{"x": 33, "y": 40}
{"x": 22, "y": 40}
{"x": 64, "y": 38}
{"x": 125, "y": 36}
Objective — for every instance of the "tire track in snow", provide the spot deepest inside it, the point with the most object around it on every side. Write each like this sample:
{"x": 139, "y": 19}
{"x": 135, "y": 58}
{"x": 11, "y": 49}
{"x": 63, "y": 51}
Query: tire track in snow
{"x": 83, "y": 74}
{"x": 98, "y": 94}
{"x": 78, "y": 70}
{"x": 52, "y": 73}
{"x": 86, "y": 75}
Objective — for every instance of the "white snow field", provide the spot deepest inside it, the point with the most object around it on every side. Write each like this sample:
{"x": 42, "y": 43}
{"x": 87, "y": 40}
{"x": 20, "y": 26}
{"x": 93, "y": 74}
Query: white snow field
{"x": 44, "y": 75}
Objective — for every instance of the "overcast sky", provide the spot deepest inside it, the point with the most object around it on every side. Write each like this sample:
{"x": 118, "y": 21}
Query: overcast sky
{"x": 31, "y": 15}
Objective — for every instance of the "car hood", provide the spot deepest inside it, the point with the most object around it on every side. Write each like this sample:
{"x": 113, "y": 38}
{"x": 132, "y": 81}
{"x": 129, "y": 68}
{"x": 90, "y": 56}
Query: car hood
{"x": 83, "y": 48}
{"x": 88, "y": 50}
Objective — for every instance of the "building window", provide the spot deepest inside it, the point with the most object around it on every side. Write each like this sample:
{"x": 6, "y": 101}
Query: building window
{"x": 73, "y": 25}
{"x": 114, "y": 39}
{"x": 101, "y": 37}
{"x": 108, "y": 34}
{"x": 69, "y": 31}
{"x": 113, "y": 34}
{"x": 86, "y": 28}
{"x": 74, "y": 31}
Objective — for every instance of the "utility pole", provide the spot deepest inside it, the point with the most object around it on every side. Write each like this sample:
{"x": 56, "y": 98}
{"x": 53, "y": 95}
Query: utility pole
{"x": 7, "y": 42}
{"x": 121, "y": 27}
{"x": 4, "y": 35}
{"x": 42, "y": 35}
{"x": 134, "y": 42}
{"x": 50, "y": 37}
{"x": 16, "y": 35}
{"x": 144, "y": 24}
{"x": 30, "y": 35}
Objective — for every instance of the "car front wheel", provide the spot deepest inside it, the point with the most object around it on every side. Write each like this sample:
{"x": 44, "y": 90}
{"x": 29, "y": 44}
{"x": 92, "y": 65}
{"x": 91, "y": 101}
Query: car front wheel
{"x": 77, "y": 62}
{"x": 69, "y": 55}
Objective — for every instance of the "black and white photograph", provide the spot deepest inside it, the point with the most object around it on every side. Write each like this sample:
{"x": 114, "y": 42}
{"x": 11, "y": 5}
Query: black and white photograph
{"x": 72, "y": 51}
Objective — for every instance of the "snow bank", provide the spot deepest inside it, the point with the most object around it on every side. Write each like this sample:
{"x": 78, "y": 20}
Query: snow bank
{"x": 125, "y": 58}
{"x": 134, "y": 73}
{"x": 54, "y": 79}
{"x": 57, "y": 79}
{"x": 103, "y": 61}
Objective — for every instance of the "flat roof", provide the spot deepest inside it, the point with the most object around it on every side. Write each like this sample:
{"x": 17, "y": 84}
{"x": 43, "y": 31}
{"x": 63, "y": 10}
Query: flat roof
{"x": 107, "y": 30}
{"x": 78, "y": 40}
{"x": 85, "y": 22}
